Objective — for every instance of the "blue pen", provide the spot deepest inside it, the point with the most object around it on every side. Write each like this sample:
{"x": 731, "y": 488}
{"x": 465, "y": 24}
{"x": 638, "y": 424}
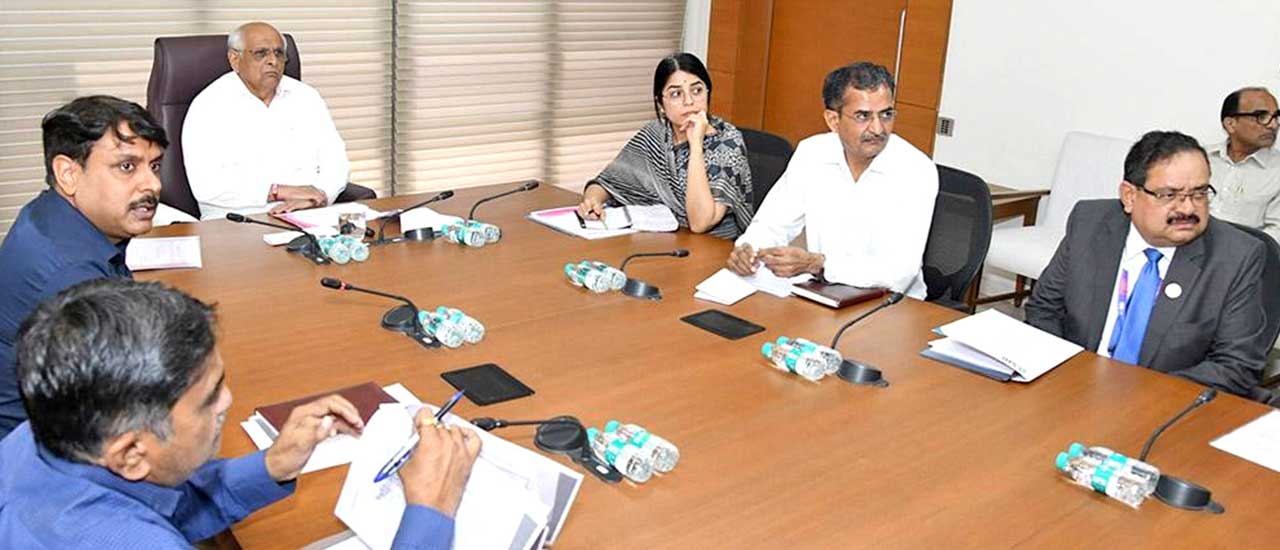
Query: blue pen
{"x": 402, "y": 455}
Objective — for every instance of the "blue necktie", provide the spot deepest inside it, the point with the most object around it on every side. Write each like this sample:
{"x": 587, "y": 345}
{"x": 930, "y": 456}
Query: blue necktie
{"x": 1131, "y": 326}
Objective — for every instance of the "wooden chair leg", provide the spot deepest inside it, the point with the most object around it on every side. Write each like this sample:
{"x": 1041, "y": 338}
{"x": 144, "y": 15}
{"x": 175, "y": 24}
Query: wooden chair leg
{"x": 1018, "y": 286}
{"x": 971, "y": 296}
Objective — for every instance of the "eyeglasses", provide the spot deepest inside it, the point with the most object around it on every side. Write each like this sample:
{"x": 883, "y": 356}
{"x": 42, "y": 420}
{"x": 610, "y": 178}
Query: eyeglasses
{"x": 1263, "y": 117}
{"x": 696, "y": 91}
{"x": 262, "y": 53}
{"x": 863, "y": 117}
{"x": 1199, "y": 195}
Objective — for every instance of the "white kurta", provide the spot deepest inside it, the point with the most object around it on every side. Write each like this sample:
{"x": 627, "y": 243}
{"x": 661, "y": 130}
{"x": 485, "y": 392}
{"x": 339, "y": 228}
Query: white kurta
{"x": 235, "y": 146}
{"x": 872, "y": 231}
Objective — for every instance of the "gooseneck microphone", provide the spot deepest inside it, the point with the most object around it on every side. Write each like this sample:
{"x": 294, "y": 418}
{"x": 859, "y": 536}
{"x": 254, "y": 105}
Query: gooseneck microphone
{"x": 396, "y": 214}
{"x": 857, "y": 372}
{"x": 1175, "y": 491}
{"x": 528, "y": 186}
{"x": 636, "y": 288}
{"x": 678, "y": 253}
{"x": 1204, "y": 397}
{"x": 402, "y": 318}
{"x": 307, "y": 244}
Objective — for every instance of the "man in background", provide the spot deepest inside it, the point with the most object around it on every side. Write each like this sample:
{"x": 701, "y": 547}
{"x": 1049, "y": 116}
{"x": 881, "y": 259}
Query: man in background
{"x": 256, "y": 140}
{"x": 1246, "y": 170}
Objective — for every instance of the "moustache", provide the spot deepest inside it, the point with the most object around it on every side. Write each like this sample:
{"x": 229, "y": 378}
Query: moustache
{"x": 1179, "y": 218}
{"x": 149, "y": 201}
{"x": 874, "y": 138}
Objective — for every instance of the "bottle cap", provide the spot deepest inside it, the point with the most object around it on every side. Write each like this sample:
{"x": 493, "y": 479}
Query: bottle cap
{"x": 611, "y": 426}
{"x": 1062, "y": 461}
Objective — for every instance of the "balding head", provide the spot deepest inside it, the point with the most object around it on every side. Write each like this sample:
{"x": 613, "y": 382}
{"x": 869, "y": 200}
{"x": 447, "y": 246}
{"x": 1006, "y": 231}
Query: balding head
{"x": 257, "y": 53}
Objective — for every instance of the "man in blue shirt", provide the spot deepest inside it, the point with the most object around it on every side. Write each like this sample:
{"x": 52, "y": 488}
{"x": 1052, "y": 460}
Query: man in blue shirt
{"x": 127, "y": 395}
{"x": 102, "y": 157}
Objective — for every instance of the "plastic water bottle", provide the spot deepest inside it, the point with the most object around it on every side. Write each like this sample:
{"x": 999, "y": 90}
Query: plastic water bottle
{"x": 617, "y": 279}
{"x": 355, "y": 248}
{"x": 472, "y": 330}
{"x": 587, "y": 276}
{"x": 614, "y": 450}
{"x": 490, "y": 232}
{"x": 776, "y": 353}
{"x": 336, "y": 250}
{"x": 831, "y": 356}
{"x": 662, "y": 453}
{"x": 1105, "y": 471}
{"x": 806, "y": 363}
{"x": 441, "y": 329}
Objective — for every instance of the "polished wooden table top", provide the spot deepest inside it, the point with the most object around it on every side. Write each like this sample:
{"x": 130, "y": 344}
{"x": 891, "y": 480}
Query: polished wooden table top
{"x": 940, "y": 459}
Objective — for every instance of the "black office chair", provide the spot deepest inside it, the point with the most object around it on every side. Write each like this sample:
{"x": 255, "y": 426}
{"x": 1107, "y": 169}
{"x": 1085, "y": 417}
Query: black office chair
{"x": 768, "y": 156}
{"x": 1270, "y": 307}
{"x": 183, "y": 67}
{"x": 958, "y": 237}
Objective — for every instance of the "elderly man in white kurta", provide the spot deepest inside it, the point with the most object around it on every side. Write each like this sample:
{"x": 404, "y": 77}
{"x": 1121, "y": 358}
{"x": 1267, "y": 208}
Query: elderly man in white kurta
{"x": 862, "y": 195}
{"x": 256, "y": 140}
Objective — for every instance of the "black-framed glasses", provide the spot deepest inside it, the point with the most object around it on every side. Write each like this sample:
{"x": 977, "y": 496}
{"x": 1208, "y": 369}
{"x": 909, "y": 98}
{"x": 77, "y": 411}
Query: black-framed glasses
{"x": 1199, "y": 195}
{"x": 262, "y": 53}
{"x": 862, "y": 117}
{"x": 1263, "y": 117}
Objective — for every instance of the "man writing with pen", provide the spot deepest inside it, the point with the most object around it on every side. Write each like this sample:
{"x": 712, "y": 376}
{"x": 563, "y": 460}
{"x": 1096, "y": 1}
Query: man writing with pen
{"x": 126, "y": 395}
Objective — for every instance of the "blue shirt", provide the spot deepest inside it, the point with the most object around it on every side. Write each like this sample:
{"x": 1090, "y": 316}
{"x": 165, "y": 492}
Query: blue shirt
{"x": 48, "y": 502}
{"x": 51, "y": 246}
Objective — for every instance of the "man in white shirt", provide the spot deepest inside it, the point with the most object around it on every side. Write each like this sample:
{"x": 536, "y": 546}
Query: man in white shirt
{"x": 862, "y": 195}
{"x": 256, "y": 140}
{"x": 1246, "y": 170}
{"x": 1152, "y": 280}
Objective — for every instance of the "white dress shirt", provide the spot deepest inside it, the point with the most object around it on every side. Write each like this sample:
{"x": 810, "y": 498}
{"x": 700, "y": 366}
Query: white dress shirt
{"x": 872, "y": 230}
{"x": 236, "y": 146}
{"x": 1249, "y": 190}
{"x": 1132, "y": 260}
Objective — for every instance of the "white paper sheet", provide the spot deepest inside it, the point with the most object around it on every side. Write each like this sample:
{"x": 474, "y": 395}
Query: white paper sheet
{"x": 328, "y": 216}
{"x": 724, "y": 287}
{"x": 163, "y": 253}
{"x": 500, "y": 507}
{"x": 335, "y": 451}
{"x": 283, "y": 237}
{"x": 1258, "y": 441}
{"x": 422, "y": 216}
{"x": 563, "y": 220}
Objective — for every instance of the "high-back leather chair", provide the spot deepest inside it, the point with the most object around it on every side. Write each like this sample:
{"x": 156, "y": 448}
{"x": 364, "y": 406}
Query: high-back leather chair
{"x": 183, "y": 67}
{"x": 959, "y": 237}
{"x": 768, "y": 155}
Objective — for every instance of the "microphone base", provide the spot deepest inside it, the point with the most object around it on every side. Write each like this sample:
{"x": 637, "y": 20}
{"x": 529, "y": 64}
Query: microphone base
{"x": 1180, "y": 493}
{"x": 400, "y": 319}
{"x": 304, "y": 246}
{"x": 862, "y": 374}
{"x": 636, "y": 288}
{"x": 571, "y": 439}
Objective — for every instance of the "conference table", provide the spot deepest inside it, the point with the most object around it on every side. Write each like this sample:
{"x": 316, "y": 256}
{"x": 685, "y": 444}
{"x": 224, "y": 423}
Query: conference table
{"x": 941, "y": 458}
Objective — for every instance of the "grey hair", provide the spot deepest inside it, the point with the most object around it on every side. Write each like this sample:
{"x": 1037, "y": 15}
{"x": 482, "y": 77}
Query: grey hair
{"x": 235, "y": 38}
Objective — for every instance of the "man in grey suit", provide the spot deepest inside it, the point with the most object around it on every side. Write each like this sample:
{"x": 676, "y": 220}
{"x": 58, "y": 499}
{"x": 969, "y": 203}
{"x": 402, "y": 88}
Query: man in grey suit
{"x": 1151, "y": 279}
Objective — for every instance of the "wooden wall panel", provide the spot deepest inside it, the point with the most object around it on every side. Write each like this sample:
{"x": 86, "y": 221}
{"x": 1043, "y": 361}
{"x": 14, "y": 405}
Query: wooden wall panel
{"x": 811, "y": 38}
{"x": 924, "y": 52}
{"x": 916, "y": 125}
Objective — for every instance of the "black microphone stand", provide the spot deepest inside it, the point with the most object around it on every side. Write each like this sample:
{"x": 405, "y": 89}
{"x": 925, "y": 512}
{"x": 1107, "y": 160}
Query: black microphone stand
{"x": 528, "y": 186}
{"x": 1175, "y": 491}
{"x": 306, "y": 244}
{"x": 857, "y": 372}
{"x": 402, "y": 318}
{"x": 427, "y": 235}
{"x": 636, "y": 288}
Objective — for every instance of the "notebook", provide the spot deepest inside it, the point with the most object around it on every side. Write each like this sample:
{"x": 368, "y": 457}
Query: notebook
{"x": 366, "y": 397}
{"x": 835, "y": 295}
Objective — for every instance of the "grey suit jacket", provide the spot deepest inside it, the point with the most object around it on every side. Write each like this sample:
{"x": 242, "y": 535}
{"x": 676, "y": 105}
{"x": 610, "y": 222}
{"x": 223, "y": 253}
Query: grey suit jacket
{"x": 1213, "y": 333}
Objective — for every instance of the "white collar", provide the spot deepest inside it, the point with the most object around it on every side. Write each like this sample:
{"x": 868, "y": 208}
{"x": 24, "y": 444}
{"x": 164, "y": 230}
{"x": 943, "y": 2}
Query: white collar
{"x": 1135, "y": 245}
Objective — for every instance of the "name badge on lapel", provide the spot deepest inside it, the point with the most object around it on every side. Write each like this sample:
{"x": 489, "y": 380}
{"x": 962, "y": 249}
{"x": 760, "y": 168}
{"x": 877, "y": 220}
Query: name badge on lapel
{"x": 1173, "y": 290}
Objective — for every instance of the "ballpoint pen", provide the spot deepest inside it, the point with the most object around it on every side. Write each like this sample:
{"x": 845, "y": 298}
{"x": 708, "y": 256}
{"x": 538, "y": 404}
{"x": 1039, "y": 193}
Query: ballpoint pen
{"x": 403, "y": 454}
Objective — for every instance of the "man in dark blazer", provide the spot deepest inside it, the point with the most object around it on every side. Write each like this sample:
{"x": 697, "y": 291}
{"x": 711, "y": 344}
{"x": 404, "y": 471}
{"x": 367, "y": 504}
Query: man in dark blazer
{"x": 1199, "y": 314}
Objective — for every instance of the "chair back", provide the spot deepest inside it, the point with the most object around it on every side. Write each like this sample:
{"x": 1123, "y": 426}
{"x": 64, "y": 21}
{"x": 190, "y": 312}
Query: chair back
{"x": 768, "y": 155}
{"x": 1270, "y": 304}
{"x": 183, "y": 67}
{"x": 1090, "y": 166}
{"x": 958, "y": 237}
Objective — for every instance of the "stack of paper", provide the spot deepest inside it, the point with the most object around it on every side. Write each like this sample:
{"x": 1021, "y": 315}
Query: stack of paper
{"x": 996, "y": 345}
{"x": 726, "y": 287}
{"x": 515, "y": 498}
{"x": 336, "y": 450}
{"x": 565, "y": 220}
{"x": 328, "y": 216}
{"x": 163, "y": 253}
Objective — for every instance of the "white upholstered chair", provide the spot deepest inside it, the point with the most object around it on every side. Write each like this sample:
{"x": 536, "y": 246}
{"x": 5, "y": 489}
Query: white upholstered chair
{"x": 1090, "y": 166}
